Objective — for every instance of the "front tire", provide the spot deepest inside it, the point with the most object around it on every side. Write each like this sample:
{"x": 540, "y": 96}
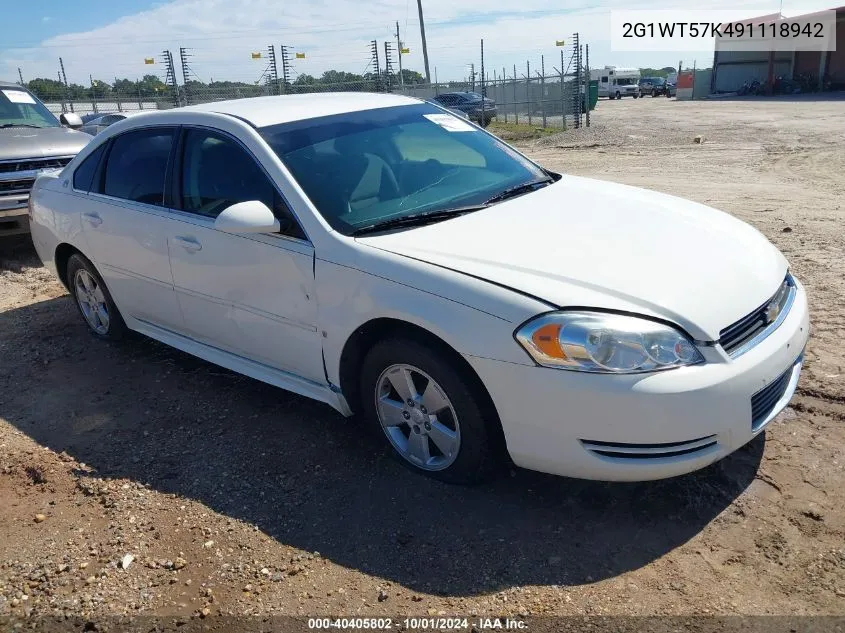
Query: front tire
{"x": 429, "y": 413}
{"x": 93, "y": 299}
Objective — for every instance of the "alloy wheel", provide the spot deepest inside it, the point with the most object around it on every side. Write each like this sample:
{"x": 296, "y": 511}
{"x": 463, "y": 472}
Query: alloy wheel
{"x": 418, "y": 418}
{"x": 92, "y": 301}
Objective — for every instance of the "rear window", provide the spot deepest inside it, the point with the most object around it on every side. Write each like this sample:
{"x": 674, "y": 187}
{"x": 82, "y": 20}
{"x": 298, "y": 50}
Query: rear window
{"x": 83, "y": 176}
{"x": 137, "y": 164}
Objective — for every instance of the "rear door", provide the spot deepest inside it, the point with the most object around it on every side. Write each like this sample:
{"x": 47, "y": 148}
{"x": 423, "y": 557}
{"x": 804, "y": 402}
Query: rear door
{"x": 249, "y": 294}
{"x": 124, "y": 223}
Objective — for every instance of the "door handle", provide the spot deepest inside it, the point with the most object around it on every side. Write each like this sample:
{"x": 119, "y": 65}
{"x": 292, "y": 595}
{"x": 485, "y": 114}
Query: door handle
{"x": 188, "y": 243}
{"x": 93, "y": 219}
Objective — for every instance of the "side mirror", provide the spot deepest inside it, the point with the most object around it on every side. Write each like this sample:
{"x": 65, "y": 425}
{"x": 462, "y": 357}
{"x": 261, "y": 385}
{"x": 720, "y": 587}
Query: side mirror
{"x": 71, "y": 120}
{"x": 251, "y": 216}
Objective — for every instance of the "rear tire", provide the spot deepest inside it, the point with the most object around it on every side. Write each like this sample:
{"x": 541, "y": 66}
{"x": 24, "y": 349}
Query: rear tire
{"x": 429, "y": 414}
{"x": 93, "y": 299}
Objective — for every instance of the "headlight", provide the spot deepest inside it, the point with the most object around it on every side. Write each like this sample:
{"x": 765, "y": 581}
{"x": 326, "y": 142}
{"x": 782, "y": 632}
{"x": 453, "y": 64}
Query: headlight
{"x": 605, "y": 343}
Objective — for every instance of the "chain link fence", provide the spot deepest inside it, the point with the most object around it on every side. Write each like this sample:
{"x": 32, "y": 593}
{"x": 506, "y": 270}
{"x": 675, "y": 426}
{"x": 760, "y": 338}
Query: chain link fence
{"x": 540, "y": 99}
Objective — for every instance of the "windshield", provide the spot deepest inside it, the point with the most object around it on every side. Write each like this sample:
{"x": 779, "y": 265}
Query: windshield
{"x": 362, "y": 168}
{"x": 20, "y": 108}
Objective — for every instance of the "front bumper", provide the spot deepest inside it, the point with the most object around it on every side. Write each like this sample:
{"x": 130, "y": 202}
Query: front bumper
{"x": 14, "y": 221}
{"x": 647, "y": 426}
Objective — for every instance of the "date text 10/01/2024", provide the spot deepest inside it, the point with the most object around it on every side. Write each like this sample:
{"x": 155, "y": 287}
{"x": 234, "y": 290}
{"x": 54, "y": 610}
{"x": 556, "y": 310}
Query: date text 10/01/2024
{"x": 418, "y": 624}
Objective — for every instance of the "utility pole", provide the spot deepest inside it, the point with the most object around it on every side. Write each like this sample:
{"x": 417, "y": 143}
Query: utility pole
{"x": 20, "y": 74}
{"x": 424, "y": 45}
{"x": 283, "y": 52}
{"x": 399, "y": 50}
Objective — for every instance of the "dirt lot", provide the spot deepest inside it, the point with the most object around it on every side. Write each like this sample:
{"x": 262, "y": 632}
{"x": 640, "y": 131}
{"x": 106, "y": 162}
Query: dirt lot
{"x": 237, "y": 498}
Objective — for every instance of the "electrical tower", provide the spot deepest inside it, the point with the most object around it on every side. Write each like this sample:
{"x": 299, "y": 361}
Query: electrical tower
{"x": 376, "y": 65}
{"x": 187, "y": 73}
{"x": 577, "y": 100}
{"x": 273, "y": 70}
{"x": 483, "y": 77}
{"x": 170, "y": 76}
{"x": 286, "y": 69}
{"x": 63, "y": 79}
{"x": 388, "y": 64}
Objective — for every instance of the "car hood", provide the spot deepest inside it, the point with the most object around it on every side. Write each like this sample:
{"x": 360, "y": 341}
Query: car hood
{"x": 25, "y": 142}
{"x": 589, "y": 243}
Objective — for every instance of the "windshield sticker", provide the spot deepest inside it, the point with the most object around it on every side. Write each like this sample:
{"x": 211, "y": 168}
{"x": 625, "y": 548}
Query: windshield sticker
{"x": 449, "y": 122}
{"x": 18, "y": 96}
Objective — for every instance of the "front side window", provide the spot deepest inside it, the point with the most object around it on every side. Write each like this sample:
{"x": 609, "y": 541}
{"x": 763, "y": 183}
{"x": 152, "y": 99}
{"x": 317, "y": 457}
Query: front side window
{"x": 217, "y": 173}
{"x": 366, "y": 167}
{"x": 137, "y": 165}
{"x": 18, "y": 108}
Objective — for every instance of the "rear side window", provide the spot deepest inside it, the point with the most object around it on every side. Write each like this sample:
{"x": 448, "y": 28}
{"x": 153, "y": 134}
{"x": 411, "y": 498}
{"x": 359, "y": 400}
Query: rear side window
{"x": 137, "y": 165}
{"x": 83, "y": 176}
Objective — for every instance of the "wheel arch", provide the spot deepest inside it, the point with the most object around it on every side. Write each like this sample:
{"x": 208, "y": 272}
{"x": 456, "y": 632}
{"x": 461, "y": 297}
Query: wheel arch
{"x": 375, "y": 330}
{"x": 64, "y": 251}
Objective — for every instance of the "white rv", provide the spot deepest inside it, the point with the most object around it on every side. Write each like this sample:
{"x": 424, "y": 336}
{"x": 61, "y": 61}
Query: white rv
{"x": 616, "y": 82}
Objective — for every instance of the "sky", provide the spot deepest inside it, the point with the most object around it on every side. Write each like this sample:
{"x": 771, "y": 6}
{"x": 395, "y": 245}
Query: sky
{"x": 111, "y": 38}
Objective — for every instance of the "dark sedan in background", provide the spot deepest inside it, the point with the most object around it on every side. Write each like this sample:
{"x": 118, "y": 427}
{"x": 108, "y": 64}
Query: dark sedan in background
{"x": 480, "y": 109}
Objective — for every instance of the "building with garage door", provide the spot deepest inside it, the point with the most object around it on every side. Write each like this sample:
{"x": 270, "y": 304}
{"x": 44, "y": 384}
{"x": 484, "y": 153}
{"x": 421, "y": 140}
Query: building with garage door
{"x": 733, "y": 68}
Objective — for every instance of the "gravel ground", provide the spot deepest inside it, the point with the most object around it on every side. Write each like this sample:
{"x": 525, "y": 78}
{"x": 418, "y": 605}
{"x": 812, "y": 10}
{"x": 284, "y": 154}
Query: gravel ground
{"x": 135, "y": 479}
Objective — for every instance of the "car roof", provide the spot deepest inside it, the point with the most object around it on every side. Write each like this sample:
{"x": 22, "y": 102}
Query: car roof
{"x": 263, "y": 111}
{"x": 9, "y": 84}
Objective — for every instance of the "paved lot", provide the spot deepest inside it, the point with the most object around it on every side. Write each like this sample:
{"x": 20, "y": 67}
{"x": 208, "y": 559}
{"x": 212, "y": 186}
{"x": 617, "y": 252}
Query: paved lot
{"x": 239, "y": 498}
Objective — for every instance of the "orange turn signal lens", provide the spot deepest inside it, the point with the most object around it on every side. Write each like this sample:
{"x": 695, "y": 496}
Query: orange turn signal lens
{"x": 547, "y": 340}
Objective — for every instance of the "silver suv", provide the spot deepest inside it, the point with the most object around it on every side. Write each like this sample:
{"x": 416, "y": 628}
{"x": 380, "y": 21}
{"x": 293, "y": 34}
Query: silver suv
{"x": 32, "y": 139}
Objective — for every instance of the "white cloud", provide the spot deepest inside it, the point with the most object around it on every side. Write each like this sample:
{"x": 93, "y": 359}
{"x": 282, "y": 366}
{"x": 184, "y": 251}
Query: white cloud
{"x": 336, "y": 34}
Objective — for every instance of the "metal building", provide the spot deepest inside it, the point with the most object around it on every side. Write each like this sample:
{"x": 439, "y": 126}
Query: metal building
{"x": 732, "y": 68}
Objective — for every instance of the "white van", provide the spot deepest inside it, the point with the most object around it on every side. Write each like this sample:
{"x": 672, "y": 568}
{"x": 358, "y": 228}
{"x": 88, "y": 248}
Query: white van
{"x": 616, "y": 82}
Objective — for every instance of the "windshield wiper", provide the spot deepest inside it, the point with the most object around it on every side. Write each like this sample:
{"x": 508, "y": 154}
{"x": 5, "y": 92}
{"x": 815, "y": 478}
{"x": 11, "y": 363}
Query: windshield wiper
{"x": 417, "y": 219}
{"x": 7, "y": 125}
{"x": 518, "y": 190}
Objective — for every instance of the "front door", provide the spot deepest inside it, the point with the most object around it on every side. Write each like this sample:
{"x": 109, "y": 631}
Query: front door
{"x": 249, "y": 294}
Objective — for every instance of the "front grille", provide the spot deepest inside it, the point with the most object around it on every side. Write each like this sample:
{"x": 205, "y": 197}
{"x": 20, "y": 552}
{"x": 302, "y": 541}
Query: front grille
{"x": 735, "y": 336}
{"x": 616, "y": 450}
{"x": 16, "y": 186}
{"x": 33, "y": 164}
{"x": 765, "y": 400}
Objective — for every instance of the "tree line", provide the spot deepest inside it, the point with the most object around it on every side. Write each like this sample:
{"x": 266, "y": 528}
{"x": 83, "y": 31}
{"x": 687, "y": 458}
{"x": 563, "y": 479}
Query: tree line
{"x": 151, "y": 87}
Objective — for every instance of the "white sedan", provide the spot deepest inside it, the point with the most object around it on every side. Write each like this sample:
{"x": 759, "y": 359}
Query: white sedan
{"x": 383, "y": 256}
